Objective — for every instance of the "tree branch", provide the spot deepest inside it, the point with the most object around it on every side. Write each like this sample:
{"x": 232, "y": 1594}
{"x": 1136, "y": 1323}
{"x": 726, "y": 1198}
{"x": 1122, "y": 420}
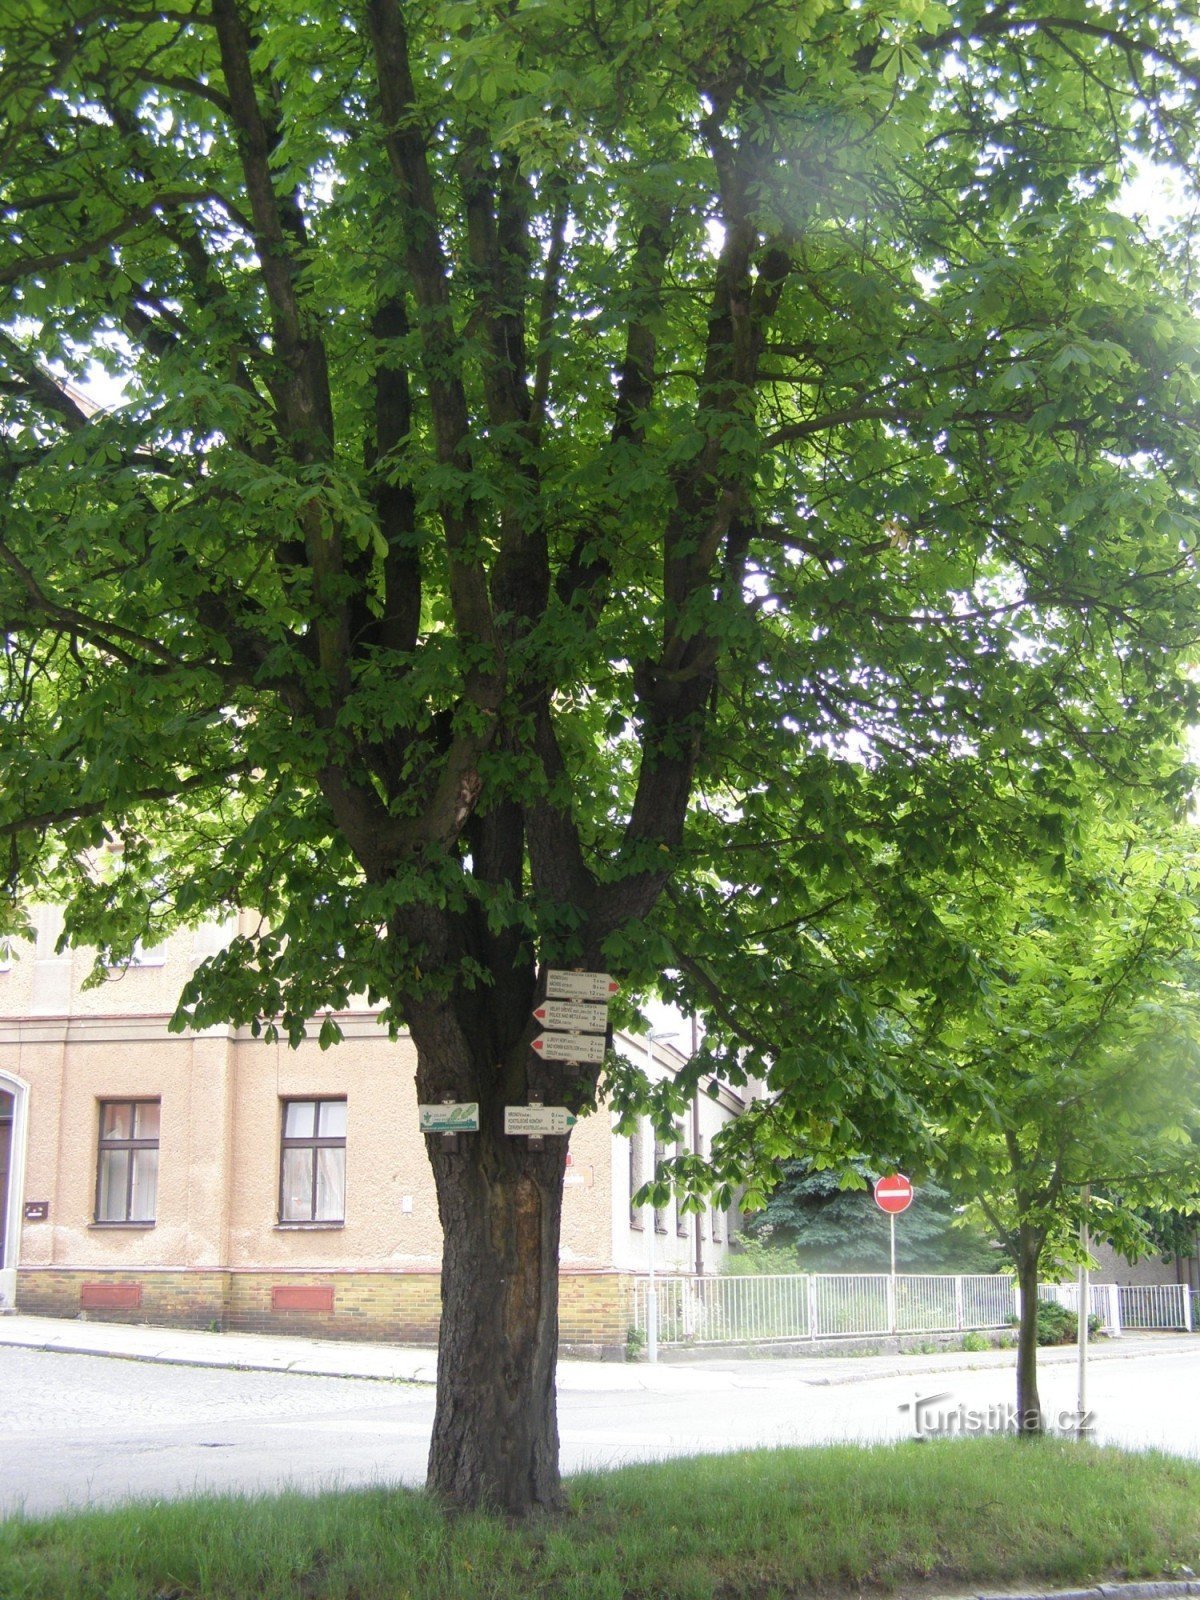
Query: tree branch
{"x": 100, "y": 808}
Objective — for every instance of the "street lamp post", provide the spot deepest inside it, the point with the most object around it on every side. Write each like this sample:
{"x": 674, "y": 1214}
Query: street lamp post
{"x": 652, "y": 1039}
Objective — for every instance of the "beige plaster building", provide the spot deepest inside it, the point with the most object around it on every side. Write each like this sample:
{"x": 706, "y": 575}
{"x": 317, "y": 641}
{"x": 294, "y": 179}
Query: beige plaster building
{"x": 212, "y": 1179}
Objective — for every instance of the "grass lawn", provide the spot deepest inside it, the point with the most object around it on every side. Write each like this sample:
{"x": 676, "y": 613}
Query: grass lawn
{"x": 758, "y": 1525}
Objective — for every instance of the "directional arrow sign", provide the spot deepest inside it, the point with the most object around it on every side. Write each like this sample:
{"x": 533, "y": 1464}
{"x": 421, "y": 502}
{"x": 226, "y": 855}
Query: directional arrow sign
{"x": 461, "y": 1117}
{"x": 562, "y": 985}
{"x": 569, "y": 1046}
{"x": 576, "y": 1017}
{"x": 537, "y": 1119}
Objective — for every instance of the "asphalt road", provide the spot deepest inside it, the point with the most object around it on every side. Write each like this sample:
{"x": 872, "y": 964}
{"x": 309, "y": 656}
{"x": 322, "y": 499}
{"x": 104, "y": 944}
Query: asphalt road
{"x": 79, "y": 1430}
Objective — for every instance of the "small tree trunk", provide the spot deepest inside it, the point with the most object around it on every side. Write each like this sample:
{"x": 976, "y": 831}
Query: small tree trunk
{"x": 495, "y": 1430}
{"x": 1029, "y": 1408}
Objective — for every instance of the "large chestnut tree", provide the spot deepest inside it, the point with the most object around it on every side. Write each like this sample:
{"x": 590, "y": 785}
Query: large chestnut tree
{"x": 575, "y": 482}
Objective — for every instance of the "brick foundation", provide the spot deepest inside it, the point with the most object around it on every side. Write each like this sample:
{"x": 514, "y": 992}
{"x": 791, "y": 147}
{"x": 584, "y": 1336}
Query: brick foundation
{"x": 398, "y": 1307}
{"x": 168, "y": 1299}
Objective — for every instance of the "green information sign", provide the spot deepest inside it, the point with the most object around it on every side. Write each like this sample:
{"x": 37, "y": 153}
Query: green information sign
{"x": 459, "y": 1117}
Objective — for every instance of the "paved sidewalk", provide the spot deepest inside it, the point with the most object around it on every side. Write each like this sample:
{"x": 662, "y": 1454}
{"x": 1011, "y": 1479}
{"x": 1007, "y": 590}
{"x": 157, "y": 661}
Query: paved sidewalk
{"x": 264, "y": 1352}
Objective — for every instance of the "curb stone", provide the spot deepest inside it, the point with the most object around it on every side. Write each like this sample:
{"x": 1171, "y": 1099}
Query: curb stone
{"x": 1158, "y": 1590}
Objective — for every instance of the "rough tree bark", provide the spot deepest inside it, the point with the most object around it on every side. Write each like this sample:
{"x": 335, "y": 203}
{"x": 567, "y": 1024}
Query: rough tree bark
{"x": 495, "y": 1431}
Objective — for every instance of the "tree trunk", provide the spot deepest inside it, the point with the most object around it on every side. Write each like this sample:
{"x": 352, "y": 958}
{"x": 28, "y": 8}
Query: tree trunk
{"x": 1029, "y": 1408}
{"x": 495, "y": 1430}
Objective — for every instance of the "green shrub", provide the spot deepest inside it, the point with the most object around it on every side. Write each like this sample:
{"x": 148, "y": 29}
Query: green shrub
{"x": 976, "y": 1341}
{"x": 1057, "y": 1325}
{"x": 756, "y": 1255}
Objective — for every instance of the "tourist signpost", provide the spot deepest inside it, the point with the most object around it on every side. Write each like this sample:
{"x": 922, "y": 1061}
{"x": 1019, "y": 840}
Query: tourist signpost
{"x": 562, "y": 984}
{"x": 575, "y": 1015}
{"x": 570, "y": 1046}
{"x": 450, "y": 1119}
{"x": 535, "y": 1120}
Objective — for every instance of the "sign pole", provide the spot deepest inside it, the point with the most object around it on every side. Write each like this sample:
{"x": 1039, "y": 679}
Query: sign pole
{"x": 652, "y": 1039}
{"x": 893, "y": 1194}
{"x": 1084, "y": 1298}
{"x": 652, "y": 1245}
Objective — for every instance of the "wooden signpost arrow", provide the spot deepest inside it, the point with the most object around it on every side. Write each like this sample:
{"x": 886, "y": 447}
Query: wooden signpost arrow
{"x": 575, "y": 1012}
{"x": 564, "y": 985}
{"x": 572, "y": 1015}
{"x": 570, "y": 1046}
{"x": 537, "y": 1120}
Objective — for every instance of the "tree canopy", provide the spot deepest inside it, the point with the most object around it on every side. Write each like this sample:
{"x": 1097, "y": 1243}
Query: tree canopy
{"x": 581, "y": 484}
{"x": 1069, "y": 1090}
{"x": 1078, "y": 1065}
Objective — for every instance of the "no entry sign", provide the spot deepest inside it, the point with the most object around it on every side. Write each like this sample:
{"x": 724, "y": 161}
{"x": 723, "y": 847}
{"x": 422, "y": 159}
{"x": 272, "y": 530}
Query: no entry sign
{"x": 893, "y": 1194}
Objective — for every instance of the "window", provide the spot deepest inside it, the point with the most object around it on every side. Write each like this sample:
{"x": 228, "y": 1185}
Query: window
{"x": 140, "y": 956}
{"x": 127, "y": 1170}
{"x": 312, "y": 1162}
{"x": 702, "y": 1216}
{"x": 681, "y": 1217}
{"x": 635, "y": 1175}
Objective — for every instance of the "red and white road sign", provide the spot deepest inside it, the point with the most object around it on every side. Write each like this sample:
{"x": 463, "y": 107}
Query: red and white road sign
{"x": 893, "y": 1194}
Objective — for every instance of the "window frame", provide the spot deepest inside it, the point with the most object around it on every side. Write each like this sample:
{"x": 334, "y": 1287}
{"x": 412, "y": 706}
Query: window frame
{"x": 682, "y": 1230}
{"x": 660, "y": 1212}
{"x": 636, "y": 1164}
{"x": 129, "y": 1146}
{"x": 139, "y": 957}
{"x": 313, "y": 1142}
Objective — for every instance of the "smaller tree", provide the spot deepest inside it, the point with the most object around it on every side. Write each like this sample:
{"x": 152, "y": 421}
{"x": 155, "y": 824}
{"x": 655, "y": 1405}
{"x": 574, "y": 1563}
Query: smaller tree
{"x": 1077, "y": 1066}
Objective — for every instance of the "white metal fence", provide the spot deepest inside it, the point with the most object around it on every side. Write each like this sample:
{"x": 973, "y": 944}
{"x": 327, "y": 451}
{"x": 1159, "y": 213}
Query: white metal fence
{"x": 752, "y": 1310}
{"x": 1156, "y": 1306}
{"x": 774, "y": 1309}
{"x": 1104, "y": 1302}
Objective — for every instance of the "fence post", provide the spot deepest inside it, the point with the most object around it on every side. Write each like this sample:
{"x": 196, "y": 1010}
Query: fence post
{"x": 1186, "y": 1293}
{"x": 1114, "y": 1308}
{"x": 812, "y": 1305}
{"x": 958, "y": 1303}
